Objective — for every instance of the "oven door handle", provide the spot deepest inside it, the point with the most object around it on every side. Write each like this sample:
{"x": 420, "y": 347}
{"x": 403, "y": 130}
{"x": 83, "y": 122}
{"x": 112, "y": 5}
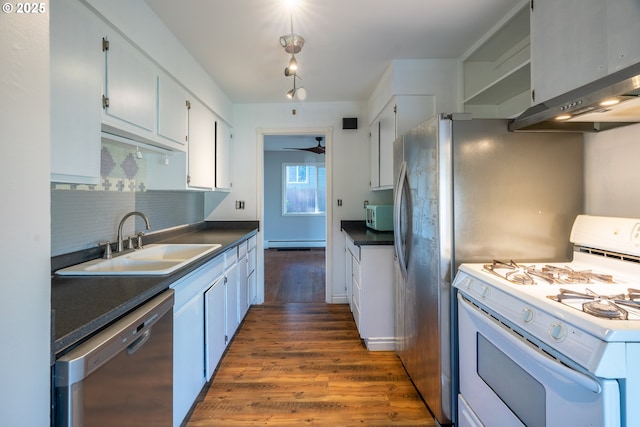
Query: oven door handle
{"x": 585, "y": 381}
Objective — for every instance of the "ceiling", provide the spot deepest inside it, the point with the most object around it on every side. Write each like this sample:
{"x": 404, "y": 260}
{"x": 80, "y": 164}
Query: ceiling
{"x": 348, "y": 43}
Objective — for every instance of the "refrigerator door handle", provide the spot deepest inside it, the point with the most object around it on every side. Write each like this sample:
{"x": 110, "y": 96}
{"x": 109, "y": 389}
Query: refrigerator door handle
{"x": 397, "y": 206}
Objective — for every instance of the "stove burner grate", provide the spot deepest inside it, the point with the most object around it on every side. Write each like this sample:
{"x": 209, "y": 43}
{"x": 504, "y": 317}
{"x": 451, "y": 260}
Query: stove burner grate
{"x": 604, "y": 306}
{"x": 526, "y": 275}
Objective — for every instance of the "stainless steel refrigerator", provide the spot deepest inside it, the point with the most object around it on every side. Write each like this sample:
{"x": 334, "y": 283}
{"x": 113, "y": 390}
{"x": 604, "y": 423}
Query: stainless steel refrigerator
{"x": 471, "y": 191}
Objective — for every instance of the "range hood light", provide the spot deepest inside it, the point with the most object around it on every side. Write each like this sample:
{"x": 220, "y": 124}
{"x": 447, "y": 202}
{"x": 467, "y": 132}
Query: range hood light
{"x": 609, "y": 102}
{"x": 563, "y": 117}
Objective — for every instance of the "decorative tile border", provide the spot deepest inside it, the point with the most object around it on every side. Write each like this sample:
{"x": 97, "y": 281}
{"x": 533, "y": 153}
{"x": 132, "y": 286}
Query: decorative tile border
{"x": 121, "y": 170}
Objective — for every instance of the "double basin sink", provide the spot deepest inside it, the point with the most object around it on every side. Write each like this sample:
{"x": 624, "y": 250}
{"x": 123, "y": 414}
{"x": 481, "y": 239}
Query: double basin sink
{"x": 155, "y": 259}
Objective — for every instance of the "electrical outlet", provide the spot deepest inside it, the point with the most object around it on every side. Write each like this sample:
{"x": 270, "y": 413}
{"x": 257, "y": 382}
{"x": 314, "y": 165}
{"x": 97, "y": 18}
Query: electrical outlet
{"x": 339, "y": 202}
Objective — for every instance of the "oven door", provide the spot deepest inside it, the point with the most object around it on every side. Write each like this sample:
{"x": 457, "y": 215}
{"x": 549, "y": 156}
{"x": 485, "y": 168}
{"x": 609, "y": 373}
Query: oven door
{"x": 506, "y": 380}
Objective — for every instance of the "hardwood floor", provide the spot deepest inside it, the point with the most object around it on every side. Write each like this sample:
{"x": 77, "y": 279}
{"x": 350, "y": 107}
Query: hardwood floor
{"x": 294, "y": 275}
{"x": 297, "y": 364}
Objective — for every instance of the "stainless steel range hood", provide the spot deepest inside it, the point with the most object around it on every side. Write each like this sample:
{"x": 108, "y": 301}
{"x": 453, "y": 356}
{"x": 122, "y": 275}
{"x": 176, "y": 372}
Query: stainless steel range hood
{"x": 584, "y": 109}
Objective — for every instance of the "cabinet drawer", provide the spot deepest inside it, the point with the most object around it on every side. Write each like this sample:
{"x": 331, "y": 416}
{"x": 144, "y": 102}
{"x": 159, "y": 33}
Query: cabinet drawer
{"x": 253, "y": 242}
{"x": 354, "y": 249}
{"x": 252, "y": 260}
{"x": 242, "y": 249}
{"x": 356, "y": 315}
{"x": 355, "y": 268}
{"x": 231, "y": 257}
{"x": 356, "y": 290}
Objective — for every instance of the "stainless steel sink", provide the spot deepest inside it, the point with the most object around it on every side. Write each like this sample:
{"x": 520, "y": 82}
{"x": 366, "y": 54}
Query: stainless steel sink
{"x": 156, "y": 259}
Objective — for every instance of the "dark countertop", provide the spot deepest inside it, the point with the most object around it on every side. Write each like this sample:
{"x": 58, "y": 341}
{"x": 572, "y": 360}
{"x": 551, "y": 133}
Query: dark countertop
{"x": 362, "y": 235}
{"x": 82, "y": 305}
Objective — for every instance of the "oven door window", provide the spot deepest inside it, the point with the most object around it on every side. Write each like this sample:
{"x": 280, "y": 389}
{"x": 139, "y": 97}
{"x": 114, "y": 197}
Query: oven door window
{"x": 522, "y": 393}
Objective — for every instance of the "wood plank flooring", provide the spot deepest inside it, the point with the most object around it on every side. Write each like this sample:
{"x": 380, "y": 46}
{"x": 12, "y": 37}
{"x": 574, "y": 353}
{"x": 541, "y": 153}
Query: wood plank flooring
{"x": 294, "y": 275}
{"x": 303, "y": 364}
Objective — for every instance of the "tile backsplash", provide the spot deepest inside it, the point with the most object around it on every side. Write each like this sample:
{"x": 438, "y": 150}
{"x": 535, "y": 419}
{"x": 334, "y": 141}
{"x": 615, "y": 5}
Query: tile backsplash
{"x": 83, "y": 215}
{"x": 123, "y": 168}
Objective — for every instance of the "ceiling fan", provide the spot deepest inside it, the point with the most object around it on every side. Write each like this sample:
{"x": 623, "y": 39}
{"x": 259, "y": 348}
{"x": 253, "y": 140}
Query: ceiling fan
{"x": 318, "y": 149}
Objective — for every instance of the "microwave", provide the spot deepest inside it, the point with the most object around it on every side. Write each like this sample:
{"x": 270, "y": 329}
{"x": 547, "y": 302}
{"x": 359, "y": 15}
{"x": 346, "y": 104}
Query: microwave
{"x": 380, "y": 217}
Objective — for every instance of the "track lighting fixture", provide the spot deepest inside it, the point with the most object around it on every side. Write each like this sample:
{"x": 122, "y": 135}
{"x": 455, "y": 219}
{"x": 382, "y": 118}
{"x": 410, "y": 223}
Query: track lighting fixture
{"x": 293, "y": 43}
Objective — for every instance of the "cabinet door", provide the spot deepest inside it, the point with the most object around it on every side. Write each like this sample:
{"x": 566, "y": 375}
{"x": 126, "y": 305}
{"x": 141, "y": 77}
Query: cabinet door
{"x": 348, "y": 273}
{"x": 568, "y": 45}
{"x": 223, "y": 156}
{"x": 130, "y": 84}
{"x": 172, "y": 110}
{"x": 201, "y": 169}
{"x": 623, "y": 33}
{"x": 77, "y": 73}
{"x": 214, "y": 302}
{"x": 188, "y": 363}
{"x": 231, "y": 287}
{"x": 253, "y": 280}
{"x": 387, "y": 136}
{"x": 243, "y": 287}
{"x": 374, "y": 135}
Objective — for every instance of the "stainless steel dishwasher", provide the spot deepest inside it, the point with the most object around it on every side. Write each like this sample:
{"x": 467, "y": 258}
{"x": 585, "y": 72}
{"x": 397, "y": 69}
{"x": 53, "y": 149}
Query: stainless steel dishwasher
{"x": 123, "y": 376}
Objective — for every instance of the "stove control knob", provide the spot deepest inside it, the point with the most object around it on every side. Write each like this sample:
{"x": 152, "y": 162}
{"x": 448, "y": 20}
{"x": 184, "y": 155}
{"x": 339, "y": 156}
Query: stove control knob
{"x": 527, "y": 315}
{"x": 467, "y": 283}
{"x": 558, "y": 331}
{"x": 484, "y": 292}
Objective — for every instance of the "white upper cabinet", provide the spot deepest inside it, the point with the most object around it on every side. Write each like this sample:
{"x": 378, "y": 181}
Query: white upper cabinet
{"x": 201, "y": 151}
{"x": 568, "y": 45}
{"x": 623, "y": 33}
{"x": 223, "y": 156}
{"x": 400, "y": 115}
{"x": 497, "y": 69}
{"x": 574, "y": 42}
{"x": 130, "y": 84}
{"x": 172, "y": 110}
{"x": 76, "y": 85}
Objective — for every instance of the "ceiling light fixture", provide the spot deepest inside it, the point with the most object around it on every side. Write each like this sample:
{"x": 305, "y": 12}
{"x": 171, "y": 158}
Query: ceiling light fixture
{"x": 300, "y": 92}
{"x": 293, "y": 43}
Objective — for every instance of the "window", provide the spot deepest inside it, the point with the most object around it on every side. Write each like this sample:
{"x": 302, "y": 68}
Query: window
{"x": 304, "y": 189}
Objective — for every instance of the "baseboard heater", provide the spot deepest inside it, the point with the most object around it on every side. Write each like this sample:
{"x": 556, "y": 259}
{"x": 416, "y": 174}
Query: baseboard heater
{"x": 290, "y": 244}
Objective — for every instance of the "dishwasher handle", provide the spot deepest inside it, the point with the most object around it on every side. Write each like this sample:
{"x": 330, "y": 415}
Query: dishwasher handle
{"x": 129, "y": 333}
{"x": 137, "y": 344}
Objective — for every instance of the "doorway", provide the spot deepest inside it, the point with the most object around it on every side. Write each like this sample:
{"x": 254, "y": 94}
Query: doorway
{"x": 295, "y": 215}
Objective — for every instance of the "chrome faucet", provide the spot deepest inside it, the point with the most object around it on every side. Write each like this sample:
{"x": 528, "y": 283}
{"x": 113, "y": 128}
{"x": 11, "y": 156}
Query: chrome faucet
{"x": 140, "y": 214}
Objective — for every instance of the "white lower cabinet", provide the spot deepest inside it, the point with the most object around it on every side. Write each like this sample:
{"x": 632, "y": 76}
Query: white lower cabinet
{"x": 372, "y": 294}
{"x": 231, "y": 274}
{"x": 243, "y": 280}
{"x": 252, "y": 260}
{"x": 214, "y": 326}
{"x": 206, "y": 315}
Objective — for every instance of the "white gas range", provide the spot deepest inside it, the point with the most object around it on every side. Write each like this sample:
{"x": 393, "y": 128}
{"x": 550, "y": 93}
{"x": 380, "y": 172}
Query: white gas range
{"x": 566, "y": 334}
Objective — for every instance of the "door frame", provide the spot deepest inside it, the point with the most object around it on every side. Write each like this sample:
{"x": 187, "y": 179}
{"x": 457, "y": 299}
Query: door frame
{"x": 327, "y": 133}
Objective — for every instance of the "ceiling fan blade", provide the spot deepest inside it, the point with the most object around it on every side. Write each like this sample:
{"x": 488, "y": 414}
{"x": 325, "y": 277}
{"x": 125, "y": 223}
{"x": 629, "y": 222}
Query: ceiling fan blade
{"x": 317, "y": 149}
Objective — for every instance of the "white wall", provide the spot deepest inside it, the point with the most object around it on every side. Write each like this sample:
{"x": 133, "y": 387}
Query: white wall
{"x": 289, "y": 230}
{"x": 25, "y": 289}
{"x": 349, "y": 157}
{"x": 612, "y": 172}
